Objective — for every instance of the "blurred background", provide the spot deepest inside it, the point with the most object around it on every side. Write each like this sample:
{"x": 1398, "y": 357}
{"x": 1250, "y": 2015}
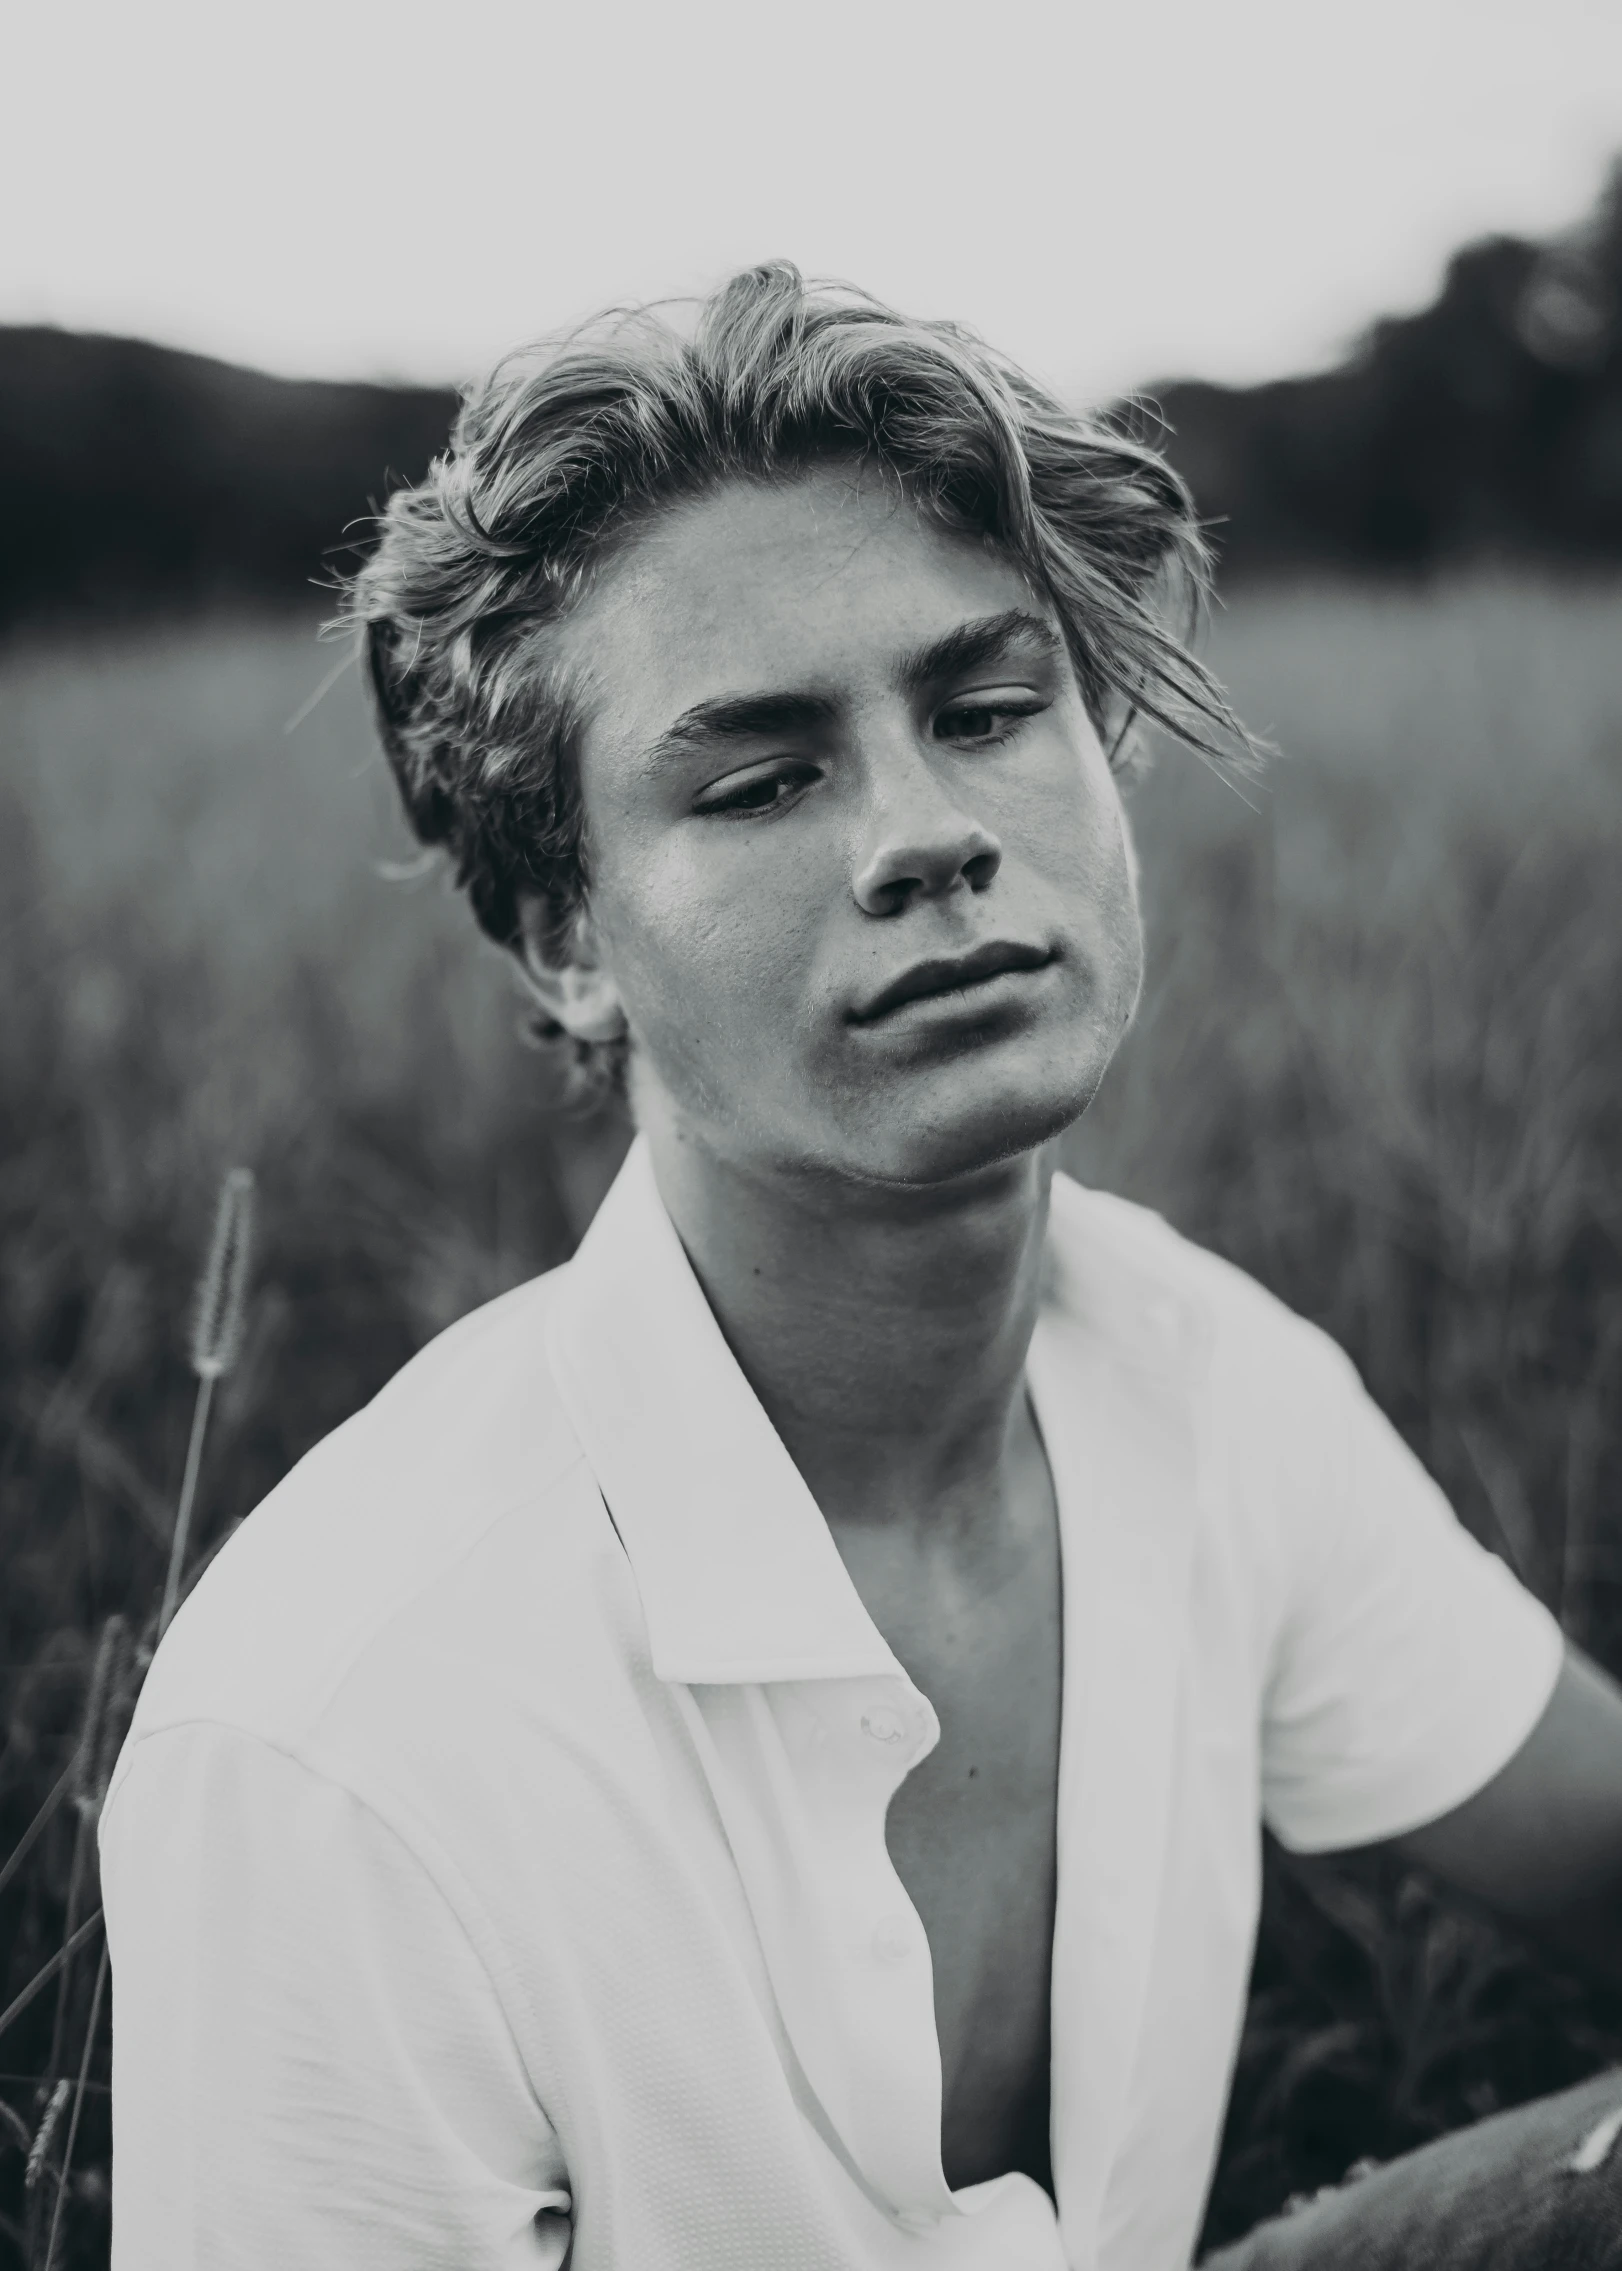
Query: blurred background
{"x": 1367, "y": 270}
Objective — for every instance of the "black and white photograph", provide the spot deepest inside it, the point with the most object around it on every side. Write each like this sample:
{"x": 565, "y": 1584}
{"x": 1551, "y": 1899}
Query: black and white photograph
{"x": 811, "y": 1137}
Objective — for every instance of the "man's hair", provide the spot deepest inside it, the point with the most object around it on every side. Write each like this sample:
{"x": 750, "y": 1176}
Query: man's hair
{"x": 570, "y": 447}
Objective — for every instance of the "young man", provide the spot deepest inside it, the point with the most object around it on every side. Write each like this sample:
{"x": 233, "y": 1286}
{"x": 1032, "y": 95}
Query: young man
{"x": 750, "y": 1752}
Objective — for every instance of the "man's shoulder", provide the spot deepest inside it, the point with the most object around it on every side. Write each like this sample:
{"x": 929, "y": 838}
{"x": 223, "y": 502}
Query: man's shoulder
{"x": 1266, "y": 1404}
{"x": 1134, "y": 1273}
{"x": 379, "y": 1525}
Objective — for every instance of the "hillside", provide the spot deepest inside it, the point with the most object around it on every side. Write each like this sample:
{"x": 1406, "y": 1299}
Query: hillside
{"x": 136, "y": 480}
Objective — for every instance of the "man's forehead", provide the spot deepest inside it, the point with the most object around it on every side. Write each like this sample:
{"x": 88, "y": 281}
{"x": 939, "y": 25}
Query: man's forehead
{"x": 823, "y": 531}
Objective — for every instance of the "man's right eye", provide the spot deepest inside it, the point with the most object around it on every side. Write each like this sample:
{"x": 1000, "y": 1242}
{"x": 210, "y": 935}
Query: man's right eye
{"x": 759, "y": 792}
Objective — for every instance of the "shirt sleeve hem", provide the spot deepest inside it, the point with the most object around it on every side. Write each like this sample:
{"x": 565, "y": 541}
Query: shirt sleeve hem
{"x": 1462, "y": 1761}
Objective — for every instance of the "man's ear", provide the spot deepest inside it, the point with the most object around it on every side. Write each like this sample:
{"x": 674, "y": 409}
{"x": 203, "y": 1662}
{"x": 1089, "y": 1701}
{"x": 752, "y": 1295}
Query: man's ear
{"x": 579, "y": 994}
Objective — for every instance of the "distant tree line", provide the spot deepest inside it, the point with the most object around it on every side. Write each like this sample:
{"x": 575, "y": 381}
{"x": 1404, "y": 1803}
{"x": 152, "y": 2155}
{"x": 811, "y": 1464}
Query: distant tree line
{"x": 1488, "y": 426}
{"x": 135, "y": 479}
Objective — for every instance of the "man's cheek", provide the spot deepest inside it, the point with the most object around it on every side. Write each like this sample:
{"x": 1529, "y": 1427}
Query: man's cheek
{"x": 711, "y": 991}
{"x": 760, "y": 954}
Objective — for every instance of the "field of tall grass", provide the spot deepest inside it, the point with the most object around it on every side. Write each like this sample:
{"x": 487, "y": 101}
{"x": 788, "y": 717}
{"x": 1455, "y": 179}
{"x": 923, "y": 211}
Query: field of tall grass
{"x": 1379, "y": 1064}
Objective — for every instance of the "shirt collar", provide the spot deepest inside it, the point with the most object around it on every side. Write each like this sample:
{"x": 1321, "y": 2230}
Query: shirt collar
{"x": 738, "y": 1573}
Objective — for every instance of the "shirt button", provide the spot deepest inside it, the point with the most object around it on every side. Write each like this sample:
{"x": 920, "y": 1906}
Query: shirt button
{"x": 893, "y": 1940}
{"x": 882, "y": 1725}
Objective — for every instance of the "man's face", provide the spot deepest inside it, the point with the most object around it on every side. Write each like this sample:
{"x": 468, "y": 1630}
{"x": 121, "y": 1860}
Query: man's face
{"x": 859, "y": 871}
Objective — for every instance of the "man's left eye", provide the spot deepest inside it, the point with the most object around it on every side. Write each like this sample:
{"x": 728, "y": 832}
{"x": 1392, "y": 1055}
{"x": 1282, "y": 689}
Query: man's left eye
{"x": 982, "y": 720}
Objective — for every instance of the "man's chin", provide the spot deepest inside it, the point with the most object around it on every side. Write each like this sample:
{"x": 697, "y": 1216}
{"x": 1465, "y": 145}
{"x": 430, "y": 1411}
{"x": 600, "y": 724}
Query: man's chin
{"x": 956, "y": 1125}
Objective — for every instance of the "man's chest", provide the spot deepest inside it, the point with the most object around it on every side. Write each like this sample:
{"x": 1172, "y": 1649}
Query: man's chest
{"x": 972, "y": 1833}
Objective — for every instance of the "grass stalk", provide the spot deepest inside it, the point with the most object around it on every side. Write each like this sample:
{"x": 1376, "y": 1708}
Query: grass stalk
{"x": 216, "y": 1342}
{"x": 48, "y": 1971}
{"x": 188, "y": 1496}
{"x": 36, "y": 1828}
{"x": 64, "y": 1978}
{"x": 86, "y": 1798}
{"x": 39, "y": 2161}
{"x": 87, "y": 1802}
{"x": 78, "y": 2104}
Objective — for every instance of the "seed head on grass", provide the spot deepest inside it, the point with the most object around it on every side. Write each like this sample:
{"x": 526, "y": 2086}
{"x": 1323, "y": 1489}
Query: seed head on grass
{"x": 216, "y": 1342}
{"x": 45, "y": 2135}
{"x": 222, "y": 1290}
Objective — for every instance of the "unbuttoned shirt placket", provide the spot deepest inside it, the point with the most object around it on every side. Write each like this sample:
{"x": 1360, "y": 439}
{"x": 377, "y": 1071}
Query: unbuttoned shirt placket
{"x": 845, "y": 1949}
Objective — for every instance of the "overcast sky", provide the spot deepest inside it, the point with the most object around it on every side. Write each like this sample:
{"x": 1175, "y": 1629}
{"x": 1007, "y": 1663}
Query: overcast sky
{"x": 1115, "y": 193}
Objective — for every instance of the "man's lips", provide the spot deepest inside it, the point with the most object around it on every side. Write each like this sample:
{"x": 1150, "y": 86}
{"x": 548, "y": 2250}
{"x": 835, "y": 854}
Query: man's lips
{"x": 951, "y": 975}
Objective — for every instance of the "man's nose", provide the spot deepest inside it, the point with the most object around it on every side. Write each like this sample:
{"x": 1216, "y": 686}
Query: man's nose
{"x": 921, "y": 844}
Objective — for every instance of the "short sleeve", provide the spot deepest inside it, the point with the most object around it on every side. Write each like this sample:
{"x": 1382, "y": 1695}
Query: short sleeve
{"x": 1410, "y": 1665}
{"x": 310, "y": 2064}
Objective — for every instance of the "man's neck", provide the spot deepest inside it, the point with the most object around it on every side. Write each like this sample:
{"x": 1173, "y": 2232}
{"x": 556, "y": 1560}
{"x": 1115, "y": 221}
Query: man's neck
{"x": 885, "y": 1332}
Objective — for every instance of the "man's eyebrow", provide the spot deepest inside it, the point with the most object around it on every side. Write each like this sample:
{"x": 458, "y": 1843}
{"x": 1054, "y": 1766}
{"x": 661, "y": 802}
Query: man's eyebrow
{"x": 743, "y": 717}
{"x": 970, "y": 646}
{"x": 755, "y": 717}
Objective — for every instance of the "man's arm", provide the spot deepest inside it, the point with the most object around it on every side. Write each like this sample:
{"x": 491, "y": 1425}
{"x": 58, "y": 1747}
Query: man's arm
{"x": 310, "y": 2063}
{"x": 1540, "y": 1846}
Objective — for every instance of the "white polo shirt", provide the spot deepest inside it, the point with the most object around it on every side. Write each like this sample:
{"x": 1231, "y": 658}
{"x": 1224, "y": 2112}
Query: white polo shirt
{"x": 498, "y": 1851}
